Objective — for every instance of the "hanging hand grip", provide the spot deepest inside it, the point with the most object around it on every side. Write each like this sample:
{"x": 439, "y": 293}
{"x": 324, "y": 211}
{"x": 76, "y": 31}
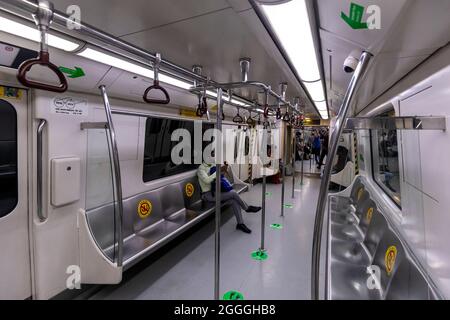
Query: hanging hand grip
{"x": 43, "y": 18}
{"x": 42, "y": 60}
{"x": 266, "y": 111}
{"x": 279, "y": 115}
{"x": 155, "y": 87}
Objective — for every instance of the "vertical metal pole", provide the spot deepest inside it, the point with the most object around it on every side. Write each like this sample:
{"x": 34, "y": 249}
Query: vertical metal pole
{"x": 39, "y": 168}
{"x": 218, "y": 153}
{"x": 294, "y": 147}
{"x": 303, "y": 156}
{"x": 323, "y": 195}
{"x": 283, "y": 174}
{"x": 263, "y": 212}
{"x": 117, "y": 175}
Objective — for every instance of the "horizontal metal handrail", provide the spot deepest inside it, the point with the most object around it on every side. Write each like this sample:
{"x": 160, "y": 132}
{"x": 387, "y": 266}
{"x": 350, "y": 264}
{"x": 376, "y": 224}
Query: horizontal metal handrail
{"x": 397, "y": 123}
{"x": 82, "y": 30}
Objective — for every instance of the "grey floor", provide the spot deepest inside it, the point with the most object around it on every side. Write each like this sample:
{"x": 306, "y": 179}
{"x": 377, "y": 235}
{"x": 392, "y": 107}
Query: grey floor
{"x": 186, "y": 272}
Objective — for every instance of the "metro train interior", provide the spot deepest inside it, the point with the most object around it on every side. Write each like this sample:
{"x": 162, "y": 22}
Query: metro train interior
{"x": 324, "y": 121}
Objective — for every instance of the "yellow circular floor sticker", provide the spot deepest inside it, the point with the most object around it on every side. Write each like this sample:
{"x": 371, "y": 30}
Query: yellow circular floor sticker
{"x": 360, "y": 193}
{"x": 369, "y": 214}
{"x": 389, "y": 259}
{"x": 190, "y": 189}
{"x": 145, "y": 208}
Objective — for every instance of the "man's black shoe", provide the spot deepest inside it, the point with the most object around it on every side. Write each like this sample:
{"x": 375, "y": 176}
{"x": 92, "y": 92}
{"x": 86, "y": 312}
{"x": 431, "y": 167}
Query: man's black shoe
{"x": 253, "y": 209}
{"x": 243, "y": 228}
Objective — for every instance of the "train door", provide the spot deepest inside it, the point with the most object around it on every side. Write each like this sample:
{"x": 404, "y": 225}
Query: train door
{"x": 15, "y": 265}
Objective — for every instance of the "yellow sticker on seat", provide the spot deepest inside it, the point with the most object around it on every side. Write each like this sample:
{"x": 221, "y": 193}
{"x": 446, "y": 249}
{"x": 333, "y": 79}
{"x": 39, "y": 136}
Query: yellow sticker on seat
{"x": 360, "y": 193}
{"x": 389, "y": 259}
{"x": 369, "y": 214}
{"x": 189, "y": 189}
{"x": 145, "y": 208}
{"x": 10, "y": 92}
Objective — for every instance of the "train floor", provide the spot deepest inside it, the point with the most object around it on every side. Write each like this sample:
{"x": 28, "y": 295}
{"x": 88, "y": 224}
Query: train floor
{"x": 186, "y": 271}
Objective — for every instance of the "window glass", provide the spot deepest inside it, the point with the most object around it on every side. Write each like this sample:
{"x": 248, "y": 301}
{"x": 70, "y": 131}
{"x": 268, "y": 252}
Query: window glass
{"x": 8, "y": 158}
{"x": 158, "y": 147}
{"x": 386, "y": 162}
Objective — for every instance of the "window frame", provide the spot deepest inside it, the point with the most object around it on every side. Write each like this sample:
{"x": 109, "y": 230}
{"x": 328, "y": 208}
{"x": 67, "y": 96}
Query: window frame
{"x": 383, "y": 187}
{"x": 16, "y": 134}
{"x": 166, "y": 124}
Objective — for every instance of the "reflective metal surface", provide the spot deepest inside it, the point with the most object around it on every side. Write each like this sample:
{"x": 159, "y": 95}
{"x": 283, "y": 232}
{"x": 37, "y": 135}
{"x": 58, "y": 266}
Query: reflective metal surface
{"x": 117, "y": 176}
{"x": 40, "y": 212}
{"x": 320, "y": 212}
{"x": 371, "y": 264}
{"x": 397, "y": 123}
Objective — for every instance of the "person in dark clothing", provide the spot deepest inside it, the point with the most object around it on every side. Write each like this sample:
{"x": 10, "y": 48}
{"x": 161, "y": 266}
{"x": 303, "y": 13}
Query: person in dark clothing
{"x": 324, "y": 153}
{"x": 316, "y": 147}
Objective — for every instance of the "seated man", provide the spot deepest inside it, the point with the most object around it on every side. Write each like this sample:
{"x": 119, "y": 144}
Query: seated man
{"x": 205, "y": 179}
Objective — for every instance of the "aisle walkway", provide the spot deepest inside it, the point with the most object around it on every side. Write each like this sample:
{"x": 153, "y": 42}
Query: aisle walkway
{"x": 187, "y": 270}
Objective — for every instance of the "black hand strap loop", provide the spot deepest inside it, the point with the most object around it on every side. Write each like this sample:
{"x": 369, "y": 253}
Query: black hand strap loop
{"x": 44, "y": 60}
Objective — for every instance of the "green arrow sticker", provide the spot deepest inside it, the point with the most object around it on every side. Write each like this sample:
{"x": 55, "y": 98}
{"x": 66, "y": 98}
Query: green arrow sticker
{"x": 288, "y": 206}
{"x": 77, "y": 72}
{"x": 354, "y": 20}
{"x": 233, "y": 295}
{"x": 276, "y": 226}
{"x": 260, "y": 255}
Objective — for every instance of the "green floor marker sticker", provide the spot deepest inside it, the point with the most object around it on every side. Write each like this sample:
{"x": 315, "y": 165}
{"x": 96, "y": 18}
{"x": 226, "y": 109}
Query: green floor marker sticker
{"x": 288, "y": 206}
{"x": 276, "y": 226}
{"x": 233, "y": 295}
{"x": 259, "y": 255}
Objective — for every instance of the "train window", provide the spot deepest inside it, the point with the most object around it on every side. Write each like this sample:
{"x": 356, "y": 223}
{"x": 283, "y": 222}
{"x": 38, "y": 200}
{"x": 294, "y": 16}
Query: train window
{"x": 247, "y": 145}
{"x": 8, "y": 158}
{"x": 386, "y": 162}
{"x": 158, "y": 148}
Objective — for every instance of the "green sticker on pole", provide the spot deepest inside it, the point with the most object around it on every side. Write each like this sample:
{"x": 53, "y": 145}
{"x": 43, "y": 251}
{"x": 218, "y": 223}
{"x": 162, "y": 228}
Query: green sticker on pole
{"x": 276, "y": 226}
{"x": 288, "y": 206}
{"x": 233, "y": 295}
{"x": 260, "y": 255}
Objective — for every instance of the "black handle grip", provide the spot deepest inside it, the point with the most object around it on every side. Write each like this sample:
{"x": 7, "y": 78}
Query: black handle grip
{"x": 156, "y": 86}
{"x": 44, "y": 60}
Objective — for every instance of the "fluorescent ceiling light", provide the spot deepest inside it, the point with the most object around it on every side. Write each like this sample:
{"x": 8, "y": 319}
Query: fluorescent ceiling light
{"x": 130, "y": 67}
{"x": 315, "y": 90}
{"x": 291, "y": 24}
{"x": 21, "y": 30}
{"x": 321, "y": 106}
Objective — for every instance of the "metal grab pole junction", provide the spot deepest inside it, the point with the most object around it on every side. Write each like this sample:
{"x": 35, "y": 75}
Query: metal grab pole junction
{"x": 218, "y": 159}
{"x": 321, "y": 203}
{"x": 117, "y": 175}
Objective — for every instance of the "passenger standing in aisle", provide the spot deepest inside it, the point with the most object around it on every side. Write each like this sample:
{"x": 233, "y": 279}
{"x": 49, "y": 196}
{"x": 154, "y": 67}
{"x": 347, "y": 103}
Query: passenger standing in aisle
{"x": 324, "y": 153}
{"x": 316, "y": 148}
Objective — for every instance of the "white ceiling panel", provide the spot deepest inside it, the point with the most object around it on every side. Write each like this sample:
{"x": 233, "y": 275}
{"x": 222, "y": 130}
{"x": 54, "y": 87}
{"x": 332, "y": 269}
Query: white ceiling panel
{"x": 216, "y": 41}
{"x": 120, "y": 17}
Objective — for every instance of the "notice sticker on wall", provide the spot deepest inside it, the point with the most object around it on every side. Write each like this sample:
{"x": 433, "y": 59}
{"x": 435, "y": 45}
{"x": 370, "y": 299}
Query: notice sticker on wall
{"x": 70, "y": 106}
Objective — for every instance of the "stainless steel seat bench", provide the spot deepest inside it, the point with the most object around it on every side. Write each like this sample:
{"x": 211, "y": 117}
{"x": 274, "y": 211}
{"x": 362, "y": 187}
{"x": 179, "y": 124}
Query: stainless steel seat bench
{"x": 341, "y": 202}
{"x": 166, "y": 212}
{"x": 354, "y": 282}
{"x": 368, "y": 261}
